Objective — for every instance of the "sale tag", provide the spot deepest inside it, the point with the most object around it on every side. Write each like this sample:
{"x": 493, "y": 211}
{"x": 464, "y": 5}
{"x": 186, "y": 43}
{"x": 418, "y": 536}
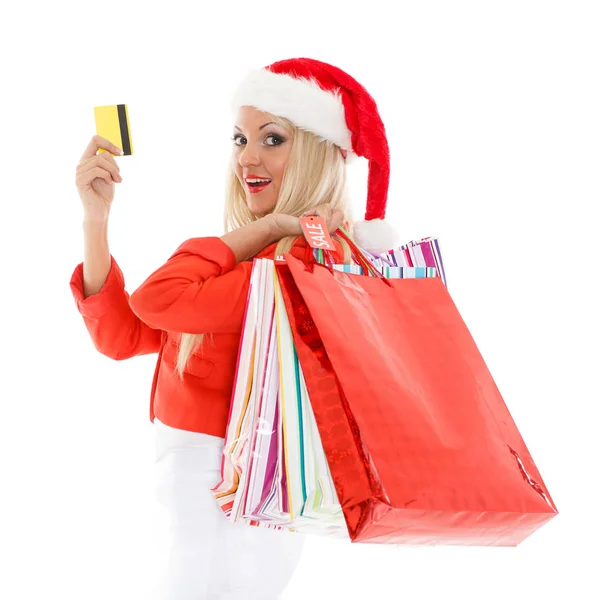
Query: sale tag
{"x": 315, "y": 232}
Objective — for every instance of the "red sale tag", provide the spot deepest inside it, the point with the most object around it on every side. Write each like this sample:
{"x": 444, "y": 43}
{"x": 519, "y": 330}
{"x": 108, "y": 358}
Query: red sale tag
{"x": 315, "y": 232}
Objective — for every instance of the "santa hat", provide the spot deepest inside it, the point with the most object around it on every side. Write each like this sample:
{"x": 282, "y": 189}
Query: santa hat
{"x": 328, "y": 102}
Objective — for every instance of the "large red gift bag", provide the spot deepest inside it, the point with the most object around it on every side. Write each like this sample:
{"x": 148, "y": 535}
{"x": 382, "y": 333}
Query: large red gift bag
{"x": 421, "y": 446}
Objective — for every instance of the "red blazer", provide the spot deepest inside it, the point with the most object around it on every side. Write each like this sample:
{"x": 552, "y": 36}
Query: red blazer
{"x": 200, "y": 289}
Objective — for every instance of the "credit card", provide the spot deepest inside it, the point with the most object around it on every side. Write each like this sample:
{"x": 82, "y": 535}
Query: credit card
{"x": 112, "y": 123}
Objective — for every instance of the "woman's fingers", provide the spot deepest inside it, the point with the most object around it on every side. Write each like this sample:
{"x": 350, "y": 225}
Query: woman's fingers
{"x": 333, "y": 218}
{"x": 99, "y": 142}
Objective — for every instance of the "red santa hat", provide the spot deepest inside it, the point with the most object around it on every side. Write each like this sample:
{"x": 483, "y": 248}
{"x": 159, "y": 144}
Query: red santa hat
{"x": 328, "y": 102}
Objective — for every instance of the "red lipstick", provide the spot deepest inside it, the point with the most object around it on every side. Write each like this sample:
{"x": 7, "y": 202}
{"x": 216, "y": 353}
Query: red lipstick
{"x": 255, "y": 188}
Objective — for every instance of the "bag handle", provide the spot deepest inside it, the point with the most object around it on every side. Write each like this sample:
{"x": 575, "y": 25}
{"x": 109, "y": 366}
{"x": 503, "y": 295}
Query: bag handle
{"x": 358, "y": 256}
{"x": 326, "y": 259}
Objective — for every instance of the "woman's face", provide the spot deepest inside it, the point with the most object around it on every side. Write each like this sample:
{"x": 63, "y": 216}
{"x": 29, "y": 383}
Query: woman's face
{"x": 261, "y": 151}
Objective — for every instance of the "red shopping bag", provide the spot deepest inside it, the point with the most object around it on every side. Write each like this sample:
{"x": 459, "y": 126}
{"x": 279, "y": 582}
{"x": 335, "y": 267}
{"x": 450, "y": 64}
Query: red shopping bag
{"x": 421, "y": 446}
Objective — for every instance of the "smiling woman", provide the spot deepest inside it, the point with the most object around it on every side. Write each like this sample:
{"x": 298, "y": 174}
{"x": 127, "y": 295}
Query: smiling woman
{"x": 308, "y": 174}
{"x": 261, "y": 152}
{"x": 296, "y": 121}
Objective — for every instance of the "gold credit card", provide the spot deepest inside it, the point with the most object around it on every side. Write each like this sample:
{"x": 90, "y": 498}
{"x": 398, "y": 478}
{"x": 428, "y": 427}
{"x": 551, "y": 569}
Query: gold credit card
{"x": 112, "y": 123}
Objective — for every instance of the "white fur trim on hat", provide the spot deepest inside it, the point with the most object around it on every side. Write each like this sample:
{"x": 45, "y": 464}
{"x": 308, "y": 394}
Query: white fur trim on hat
{"x": 376, "y": 235}
{"x": 300, "y": 100}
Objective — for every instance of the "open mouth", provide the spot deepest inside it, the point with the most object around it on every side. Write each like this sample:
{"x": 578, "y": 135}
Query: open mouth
{"x": 258, "y": 183}
{"x": 255, "y": 185}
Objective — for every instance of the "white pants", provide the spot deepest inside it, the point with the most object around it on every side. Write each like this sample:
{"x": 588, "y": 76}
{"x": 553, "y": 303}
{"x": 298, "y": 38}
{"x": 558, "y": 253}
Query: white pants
{"x": 212, "y": 558}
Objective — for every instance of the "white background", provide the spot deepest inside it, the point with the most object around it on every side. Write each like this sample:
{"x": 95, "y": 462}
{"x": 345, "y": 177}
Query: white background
{"x": 492, "y": 114}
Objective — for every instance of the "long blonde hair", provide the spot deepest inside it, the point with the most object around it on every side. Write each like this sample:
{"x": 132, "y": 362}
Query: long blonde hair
{"x": 315, "y": 174}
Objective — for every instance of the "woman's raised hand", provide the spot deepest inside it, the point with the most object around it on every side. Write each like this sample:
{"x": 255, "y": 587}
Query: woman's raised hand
{"x": 95, "y": 178}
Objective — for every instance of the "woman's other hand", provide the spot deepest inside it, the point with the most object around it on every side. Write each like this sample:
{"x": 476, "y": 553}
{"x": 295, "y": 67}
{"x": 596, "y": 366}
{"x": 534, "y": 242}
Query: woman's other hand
{"x": 286, "y": 225}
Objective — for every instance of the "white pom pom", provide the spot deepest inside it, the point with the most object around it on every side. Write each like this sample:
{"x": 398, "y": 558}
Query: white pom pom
{"x": 376, "y": 235}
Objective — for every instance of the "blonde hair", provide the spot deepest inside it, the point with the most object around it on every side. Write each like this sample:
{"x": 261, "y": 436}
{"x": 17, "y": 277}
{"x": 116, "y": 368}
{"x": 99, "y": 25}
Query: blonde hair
{"x": 315, "y": 174}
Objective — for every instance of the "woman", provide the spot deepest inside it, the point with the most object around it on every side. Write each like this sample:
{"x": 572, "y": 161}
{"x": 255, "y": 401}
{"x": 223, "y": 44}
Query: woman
{"x": 296, "y": 122}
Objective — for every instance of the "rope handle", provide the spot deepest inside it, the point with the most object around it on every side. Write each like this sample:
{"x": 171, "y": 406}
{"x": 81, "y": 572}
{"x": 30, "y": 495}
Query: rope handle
{"x": 358, "y": 255}
{"x": 325, "y": 258}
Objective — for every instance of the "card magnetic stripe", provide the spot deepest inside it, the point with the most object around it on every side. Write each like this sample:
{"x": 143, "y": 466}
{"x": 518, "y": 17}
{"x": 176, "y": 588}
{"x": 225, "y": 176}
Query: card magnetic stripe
{"x": 124, "y": 127}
